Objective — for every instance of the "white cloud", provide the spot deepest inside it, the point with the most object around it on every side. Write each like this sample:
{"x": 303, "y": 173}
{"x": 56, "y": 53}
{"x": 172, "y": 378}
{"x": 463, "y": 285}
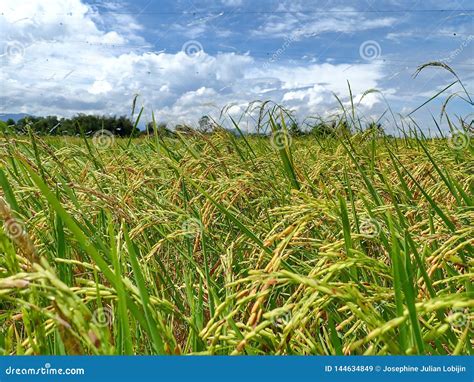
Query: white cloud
{"x": 399, "y": 36}
{"x": 71, "y": 59}
{"x": 232, "y": 3}
{"x": 100, "y": 87}
{"x": 301, "y": 24}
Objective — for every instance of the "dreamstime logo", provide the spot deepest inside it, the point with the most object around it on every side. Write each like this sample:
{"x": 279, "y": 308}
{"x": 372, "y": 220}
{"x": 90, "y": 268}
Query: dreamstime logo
{"x": 13, "y": 228}
{"x": 47, "y": 369}
{"x": 370, "y": 50}
{"x": 192, "y": 48}
{"x": 16, "y": 45}
{"x": 458, "y": 317}
{"x": 192, "y": 227}
{"x": 14, "y": 50}
{"x": 103, "y": 139}
{"x": 370, "y": 228}
{"x": 103, "y": 316}
{"x": 459, "y": 141}
{"x": 280, "y": 139}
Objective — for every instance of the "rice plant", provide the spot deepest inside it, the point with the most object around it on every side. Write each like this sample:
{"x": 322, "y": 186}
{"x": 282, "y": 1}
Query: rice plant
{"x": 216, "y": 244}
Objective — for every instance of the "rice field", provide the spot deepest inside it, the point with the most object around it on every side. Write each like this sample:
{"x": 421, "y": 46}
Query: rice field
{"x": 225, "y": 243}
{"x": 217, "y": 244}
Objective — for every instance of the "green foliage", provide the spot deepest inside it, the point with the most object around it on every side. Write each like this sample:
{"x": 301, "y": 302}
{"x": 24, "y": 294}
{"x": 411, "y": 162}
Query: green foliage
{"x": 161, "y": 130}
{"x": 77, "y": 125}
{"x": 178, "y": 246}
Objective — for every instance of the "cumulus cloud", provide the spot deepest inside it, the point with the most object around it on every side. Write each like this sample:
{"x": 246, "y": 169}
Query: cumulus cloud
{"x": 67, "y": 58}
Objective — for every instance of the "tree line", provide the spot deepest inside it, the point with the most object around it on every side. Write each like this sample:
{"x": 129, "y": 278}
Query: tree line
{"x": 122, "y": 126}
{"x": 81, "y": 124}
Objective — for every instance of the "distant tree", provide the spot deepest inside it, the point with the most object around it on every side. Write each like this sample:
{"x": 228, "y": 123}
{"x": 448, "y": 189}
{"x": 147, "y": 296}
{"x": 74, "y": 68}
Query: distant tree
{"x": 24, "y": 124}
{"x": 375, "y": 128}
{"x": 161, "y": 129}
{"x": 295, "y": 130}
{"x": 342, "y": 128}
{"x": 206, "y": 124}
{"x": 124, "y": 127}
{"x": 185, "y": 129}
{"x": 45, "y": 125}
{"x": 11, "y": 122}
{"x": 79, "y": 124}
{"x": 323, "y": 130}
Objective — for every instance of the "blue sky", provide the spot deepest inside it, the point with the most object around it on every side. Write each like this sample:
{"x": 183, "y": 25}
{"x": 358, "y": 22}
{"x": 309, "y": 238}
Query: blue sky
{"x": 190, "y": 58}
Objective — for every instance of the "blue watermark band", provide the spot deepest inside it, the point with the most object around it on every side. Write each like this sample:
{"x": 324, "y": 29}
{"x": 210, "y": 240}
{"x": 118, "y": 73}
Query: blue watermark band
{"x": 216, "y": 368}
